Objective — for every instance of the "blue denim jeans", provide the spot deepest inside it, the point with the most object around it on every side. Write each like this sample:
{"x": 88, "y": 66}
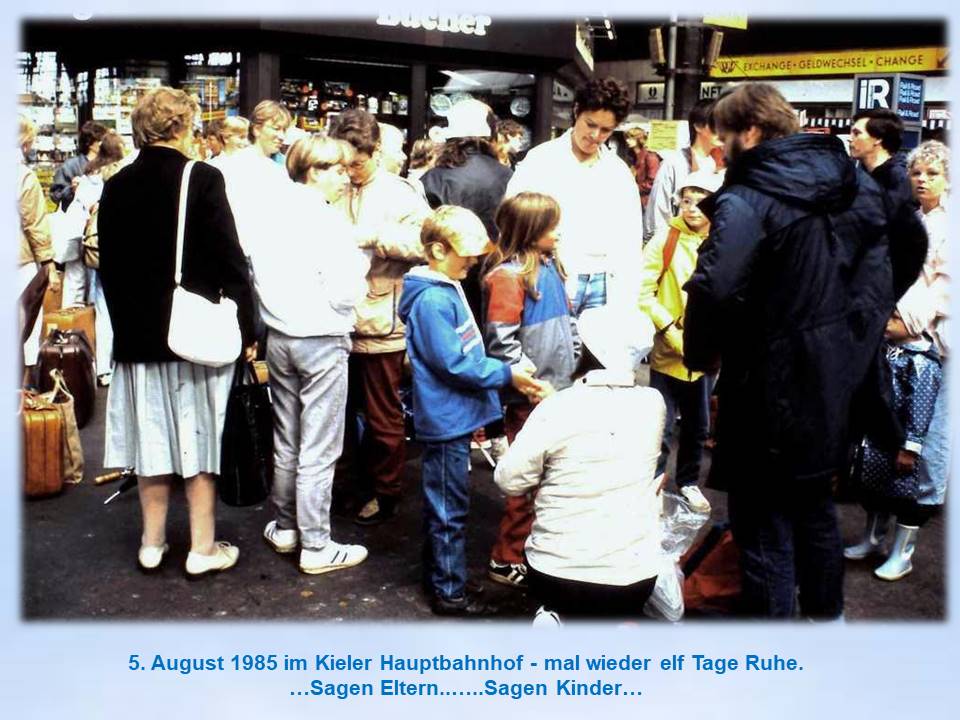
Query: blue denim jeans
{"x": 446, "y": 501}
{"x": 788, "y": 539}
{"x": 692, "y": 399}
{"x": 591, "y": 292}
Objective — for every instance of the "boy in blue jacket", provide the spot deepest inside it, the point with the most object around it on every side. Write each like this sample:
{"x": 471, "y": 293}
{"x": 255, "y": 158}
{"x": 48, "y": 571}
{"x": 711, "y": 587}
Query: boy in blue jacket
{"x": 455, "y": 389}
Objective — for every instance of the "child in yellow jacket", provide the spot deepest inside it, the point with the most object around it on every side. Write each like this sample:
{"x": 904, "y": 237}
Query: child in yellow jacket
{"x": 668, "y": 262}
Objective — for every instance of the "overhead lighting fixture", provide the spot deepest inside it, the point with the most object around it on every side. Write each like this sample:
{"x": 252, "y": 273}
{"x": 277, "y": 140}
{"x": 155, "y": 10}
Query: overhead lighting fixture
{"x": 453, "y": 75}
{"x": 606, "y": 23}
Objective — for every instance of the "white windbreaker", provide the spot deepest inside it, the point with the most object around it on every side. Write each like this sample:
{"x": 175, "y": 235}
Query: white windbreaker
{"x": 590, "y": 453}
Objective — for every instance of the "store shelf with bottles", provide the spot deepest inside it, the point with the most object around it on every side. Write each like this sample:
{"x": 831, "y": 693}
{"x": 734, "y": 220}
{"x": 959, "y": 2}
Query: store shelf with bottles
{"x": 315, "y": 104}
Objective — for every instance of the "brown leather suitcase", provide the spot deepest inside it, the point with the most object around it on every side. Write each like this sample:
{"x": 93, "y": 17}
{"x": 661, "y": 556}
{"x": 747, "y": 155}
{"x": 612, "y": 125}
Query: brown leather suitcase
{"x": 70, "y": 353}
{"x": 42, "y": 448}
{"x": 73, "y": 318}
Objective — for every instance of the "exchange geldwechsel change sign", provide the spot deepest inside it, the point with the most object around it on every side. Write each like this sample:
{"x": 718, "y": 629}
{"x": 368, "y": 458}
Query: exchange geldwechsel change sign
{"x": 845, "y": 62}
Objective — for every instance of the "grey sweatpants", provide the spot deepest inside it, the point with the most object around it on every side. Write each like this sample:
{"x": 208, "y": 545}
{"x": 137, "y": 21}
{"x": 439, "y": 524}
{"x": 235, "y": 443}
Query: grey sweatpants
{"x": 308, "y": 379}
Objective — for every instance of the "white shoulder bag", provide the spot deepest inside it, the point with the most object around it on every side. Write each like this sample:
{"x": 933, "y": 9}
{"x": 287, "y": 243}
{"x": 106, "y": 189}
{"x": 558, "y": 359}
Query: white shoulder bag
{"x": 201, "y": 332}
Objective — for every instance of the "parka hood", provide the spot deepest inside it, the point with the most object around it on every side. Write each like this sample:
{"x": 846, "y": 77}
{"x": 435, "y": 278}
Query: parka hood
{"x": 415, "y": 282}
{"x": 804, "y": 170}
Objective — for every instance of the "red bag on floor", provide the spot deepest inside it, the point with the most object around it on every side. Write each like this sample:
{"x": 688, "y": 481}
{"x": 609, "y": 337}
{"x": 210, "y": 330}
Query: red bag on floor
{"x": 712, "y": 572}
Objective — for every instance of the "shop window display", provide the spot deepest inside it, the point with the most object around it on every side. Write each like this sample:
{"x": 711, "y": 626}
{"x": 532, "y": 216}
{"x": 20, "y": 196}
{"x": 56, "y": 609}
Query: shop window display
{"x": 316, "y": 91}
{"x": 509, "y": 94}
{"x": 47, "y": 96}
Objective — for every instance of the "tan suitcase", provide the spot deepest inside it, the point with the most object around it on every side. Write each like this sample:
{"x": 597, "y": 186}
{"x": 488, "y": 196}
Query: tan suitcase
{"x": 42, "y": 448}
{"x": 52, "y": 299}
{"x": 74, "y": 318}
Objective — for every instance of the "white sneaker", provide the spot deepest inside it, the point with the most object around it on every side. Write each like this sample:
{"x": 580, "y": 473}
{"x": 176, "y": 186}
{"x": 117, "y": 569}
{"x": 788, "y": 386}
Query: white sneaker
{"x": 150, "y": 556}
{"x": 282, "y": 541}
{"x": 546, "y": 619}
{"x": 333, "y": 557}
{"x": 224, "y": 557}
{"x": 695, "y": 497}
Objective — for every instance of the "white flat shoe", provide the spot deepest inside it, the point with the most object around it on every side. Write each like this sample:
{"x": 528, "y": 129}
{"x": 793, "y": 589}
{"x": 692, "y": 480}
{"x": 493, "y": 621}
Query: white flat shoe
{"x": 224, "y": 557}
{"x": 150, "y": 556}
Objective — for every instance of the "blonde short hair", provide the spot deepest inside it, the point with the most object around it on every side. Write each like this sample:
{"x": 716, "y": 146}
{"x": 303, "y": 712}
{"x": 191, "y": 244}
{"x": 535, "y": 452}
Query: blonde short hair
{"x": 267, "y": 111}
{"x": 453, "y": 227}
{"x": 636, "y": 133}
{"x": 316, "y": 151}
{"x": 162, "y": 114}
{"x": 27, "y": 131}
{"x": 234, "y": 126}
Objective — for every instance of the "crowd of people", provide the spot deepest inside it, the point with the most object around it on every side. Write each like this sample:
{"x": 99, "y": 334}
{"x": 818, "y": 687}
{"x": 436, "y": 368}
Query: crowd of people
{"x": 517, "y": 298}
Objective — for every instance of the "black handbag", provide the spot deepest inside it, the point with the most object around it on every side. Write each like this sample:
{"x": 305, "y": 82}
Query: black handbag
{"x": 246, "y": 458}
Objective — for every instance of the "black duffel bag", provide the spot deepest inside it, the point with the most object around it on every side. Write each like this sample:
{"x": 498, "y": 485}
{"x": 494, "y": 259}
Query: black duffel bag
{"x": 246, "y": 457}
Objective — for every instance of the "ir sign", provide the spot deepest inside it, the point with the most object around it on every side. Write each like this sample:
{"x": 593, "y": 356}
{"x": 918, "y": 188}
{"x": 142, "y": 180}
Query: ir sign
{"x": 875, "y": 92}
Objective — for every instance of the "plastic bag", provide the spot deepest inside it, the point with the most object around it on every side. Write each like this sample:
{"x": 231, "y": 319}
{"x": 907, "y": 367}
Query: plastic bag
{"x": 679, "y": 524}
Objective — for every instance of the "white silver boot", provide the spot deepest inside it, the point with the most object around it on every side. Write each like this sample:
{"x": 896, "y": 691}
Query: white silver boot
{"x": 898, "y": 565}
{"x": 877, "y": 526}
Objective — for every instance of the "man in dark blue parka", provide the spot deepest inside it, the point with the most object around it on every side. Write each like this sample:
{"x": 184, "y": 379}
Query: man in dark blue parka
{"x": 791, "y": 293}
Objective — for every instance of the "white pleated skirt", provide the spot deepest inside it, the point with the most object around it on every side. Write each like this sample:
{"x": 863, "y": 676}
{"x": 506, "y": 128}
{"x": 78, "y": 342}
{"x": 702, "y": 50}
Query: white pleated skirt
{"x": 166, "y": 418}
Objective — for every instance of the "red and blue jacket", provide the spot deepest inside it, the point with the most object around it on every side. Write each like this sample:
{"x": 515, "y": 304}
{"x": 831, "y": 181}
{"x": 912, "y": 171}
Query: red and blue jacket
{"x": 519, "y": 329}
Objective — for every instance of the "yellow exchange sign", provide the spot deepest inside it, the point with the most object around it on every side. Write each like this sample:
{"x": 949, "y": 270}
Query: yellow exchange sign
{"x": 847, "y": 62}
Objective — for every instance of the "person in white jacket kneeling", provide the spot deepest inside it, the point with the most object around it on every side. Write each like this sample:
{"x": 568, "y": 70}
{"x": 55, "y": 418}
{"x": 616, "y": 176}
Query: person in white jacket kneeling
{"x": 589, "y": 453}
{"x": 309, "y": 275}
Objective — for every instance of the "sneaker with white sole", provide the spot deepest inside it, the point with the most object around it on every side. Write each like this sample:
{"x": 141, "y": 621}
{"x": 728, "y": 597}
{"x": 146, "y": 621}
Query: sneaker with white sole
{"x": 282, "y": 541}
{"x": 150, "y": 556}
{"x": 512, "y": 574}
{"x": 696, "y": 498}
{"x": 223, "y": 558}
{"x": 546, "y": 619}
{"x": 333, "y": 557}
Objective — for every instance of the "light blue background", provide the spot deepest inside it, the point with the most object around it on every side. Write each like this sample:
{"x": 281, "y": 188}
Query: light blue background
{"x": 78, "y": 670}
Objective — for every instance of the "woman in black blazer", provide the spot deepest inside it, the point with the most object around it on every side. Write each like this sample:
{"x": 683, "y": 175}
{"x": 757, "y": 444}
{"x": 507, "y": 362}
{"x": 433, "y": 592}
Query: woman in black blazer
{"x": 165, "y": 415}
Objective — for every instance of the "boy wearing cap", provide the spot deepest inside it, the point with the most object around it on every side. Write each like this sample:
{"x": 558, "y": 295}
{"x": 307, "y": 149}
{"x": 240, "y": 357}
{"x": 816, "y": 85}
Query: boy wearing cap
{"x": 668, "y": 262}
{"x": 455, "y": 392}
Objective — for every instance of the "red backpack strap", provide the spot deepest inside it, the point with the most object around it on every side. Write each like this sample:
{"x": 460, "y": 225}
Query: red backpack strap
{"x": 669, "y": 248}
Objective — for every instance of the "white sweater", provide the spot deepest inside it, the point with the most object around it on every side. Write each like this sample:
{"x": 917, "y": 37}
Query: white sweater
{"x": 590, "y": 452}
{"x": 308, "y": 272}
{"x": 601, "y": 218}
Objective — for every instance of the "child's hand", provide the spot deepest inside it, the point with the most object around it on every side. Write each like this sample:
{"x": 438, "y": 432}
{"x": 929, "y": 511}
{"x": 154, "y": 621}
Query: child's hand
{"x": 545, "y": 391}
{"x": 522, "y": 380}
{"x": 896, "y": 330}
{"x": 906, "y": 461}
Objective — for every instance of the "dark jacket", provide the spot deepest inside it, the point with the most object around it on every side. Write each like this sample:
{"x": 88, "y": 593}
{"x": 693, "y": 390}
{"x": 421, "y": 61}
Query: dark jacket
{"x": 61, "y": 189}
{"x": 479, "y": 185}
{"x": 138, "y": 240}
{"x": 792, "y": 291}
{"x": 908, "y": 245}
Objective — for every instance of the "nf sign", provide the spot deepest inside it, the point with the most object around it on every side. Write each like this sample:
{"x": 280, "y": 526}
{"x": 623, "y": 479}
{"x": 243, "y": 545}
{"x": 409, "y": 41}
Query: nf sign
{"x": 900, "y": 92}
{"x": 875, "y": 92}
